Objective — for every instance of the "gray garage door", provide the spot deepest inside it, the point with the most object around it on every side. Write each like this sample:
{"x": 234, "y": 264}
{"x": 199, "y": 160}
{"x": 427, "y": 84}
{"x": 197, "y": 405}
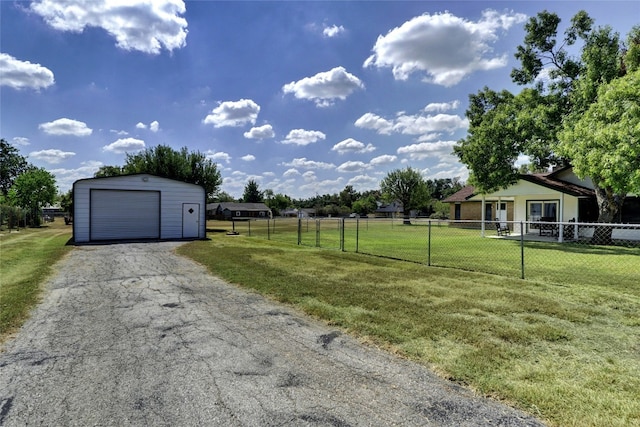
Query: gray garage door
{"x": 123, "y": 214}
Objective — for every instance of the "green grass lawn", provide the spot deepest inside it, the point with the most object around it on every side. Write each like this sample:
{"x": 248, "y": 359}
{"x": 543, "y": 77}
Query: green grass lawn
{"x": 566, "y": 352}
{"x": 26, "y": 259}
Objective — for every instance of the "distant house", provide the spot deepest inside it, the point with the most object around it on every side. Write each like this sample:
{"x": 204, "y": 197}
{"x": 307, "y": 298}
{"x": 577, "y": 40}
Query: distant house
{"x": 389, "y": 210}
{"x": 239, "y": 211}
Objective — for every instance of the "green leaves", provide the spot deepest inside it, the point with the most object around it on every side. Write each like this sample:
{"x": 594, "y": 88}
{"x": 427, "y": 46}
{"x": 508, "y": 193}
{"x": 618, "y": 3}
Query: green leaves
{"x": 406, "y": 185}
{"x": 604, "y": 144}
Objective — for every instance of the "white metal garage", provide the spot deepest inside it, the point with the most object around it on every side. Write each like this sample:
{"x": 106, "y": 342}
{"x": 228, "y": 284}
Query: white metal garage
{"x": 135, "y": 207}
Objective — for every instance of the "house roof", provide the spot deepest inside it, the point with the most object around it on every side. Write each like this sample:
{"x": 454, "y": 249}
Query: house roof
{"x": 233, "y": 206}
{"x": 462, "y": 195}
{"x": 550, "y": 181}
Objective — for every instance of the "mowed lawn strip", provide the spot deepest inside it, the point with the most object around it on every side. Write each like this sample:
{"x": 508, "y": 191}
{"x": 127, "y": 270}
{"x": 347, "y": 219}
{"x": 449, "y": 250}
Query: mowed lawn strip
{"x": 566, "y": 353}
{"x": 26, "y": 260}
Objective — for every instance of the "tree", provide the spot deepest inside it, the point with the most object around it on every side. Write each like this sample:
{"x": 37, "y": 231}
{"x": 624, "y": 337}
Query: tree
{"x": 31, "y": 190}
{"x": 107, "y": 171}
{"x": 504, "y": 126}
{"x": 252, "y": 193}
{"x": 222, "y": 196}
{"x": 166, "y": 162}
{"x": 604, "y": 145}
{"x": 348, "y": 196}
{"x": 12, "y": 165}
{"x": 365, "y": 205}
{"x": 66, "y": 202}
{"x": 279, "y": 202}
{"x": 406, "y": 186}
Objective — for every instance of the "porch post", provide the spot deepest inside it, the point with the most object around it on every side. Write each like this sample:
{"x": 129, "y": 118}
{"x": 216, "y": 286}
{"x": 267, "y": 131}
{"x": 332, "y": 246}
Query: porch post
{"x": 560, "y": 227}
{"x": 482, "y": 216}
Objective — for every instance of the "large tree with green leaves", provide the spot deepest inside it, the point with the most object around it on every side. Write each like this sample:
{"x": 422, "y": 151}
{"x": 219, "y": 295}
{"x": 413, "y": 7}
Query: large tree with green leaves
{"x": 504, "y": 126}
{"x": 252, "y": 193}
{"x": 407, "y": 186}
{"x": 604, "y": 143}
{"x": 162, "y": 160}
{"x": 12, "y": 164}
{"x": 33, "y": 189}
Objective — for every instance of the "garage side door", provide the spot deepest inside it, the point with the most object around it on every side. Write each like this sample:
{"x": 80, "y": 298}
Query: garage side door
{"x": 124, "y": 214}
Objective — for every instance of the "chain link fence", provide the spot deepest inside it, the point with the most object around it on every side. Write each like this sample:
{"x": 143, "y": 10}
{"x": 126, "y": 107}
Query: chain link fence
{"x": 548, "y": 251}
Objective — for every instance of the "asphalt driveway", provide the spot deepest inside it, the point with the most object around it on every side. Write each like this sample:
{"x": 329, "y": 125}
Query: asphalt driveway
{"x": 132, "y": 334}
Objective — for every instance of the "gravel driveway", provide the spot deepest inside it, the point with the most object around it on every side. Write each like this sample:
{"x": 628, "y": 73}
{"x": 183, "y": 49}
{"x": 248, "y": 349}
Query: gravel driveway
{"x": 132, "y": 334}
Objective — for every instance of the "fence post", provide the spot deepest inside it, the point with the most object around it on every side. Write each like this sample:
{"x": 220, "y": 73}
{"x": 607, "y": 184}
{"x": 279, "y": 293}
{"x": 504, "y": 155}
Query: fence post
{"x": 300, "y": 231}
{"x": 317, "y": 233}
{"x": 521, "y": 250}
{"x": 249, "y": 225}
{"x": 357, "y": 233}
{"x": 269, "y": 229}
{"x": 429, "y": 246}
{"x": 342, "y": 235}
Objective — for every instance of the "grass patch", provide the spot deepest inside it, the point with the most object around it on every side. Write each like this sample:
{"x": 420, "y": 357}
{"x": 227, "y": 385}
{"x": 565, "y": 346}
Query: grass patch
{"x": 567, "y": 353}
{"x": 26, "y": 258}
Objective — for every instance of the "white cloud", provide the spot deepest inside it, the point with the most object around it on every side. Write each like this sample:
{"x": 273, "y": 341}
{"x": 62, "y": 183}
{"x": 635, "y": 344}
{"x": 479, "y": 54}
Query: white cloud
{"x": 260, "y": 132}
{"x": 141, "y": 125}
{"x": 142, "y": 25}
{"x": 333, "y": 31}
{"x": 119, "y": 132}
{"x": 303, "y": 163}
{"x": 124, "y": 145}
{"x": 66, "y": 177}
{"x": 352, "y": 166}
{"x": 442, "y": 106}
{"x": 290, "y": 172}
{"x": 324, "y": 88}
{"x": 420, "y": 125}
{"x": 429, "y": 126}
{"x": 364, "y": 183}
{"x": 23, "y": 74}
{"x": 375, "y": 122}
{"x": 248, "y": 158}
{"x": 233, "y": 113}
{"x": 303, "y": 137}
{"x": 350, "y": 145}
{"x": 218, "y": 156}
{"x": 20, "y": 140}
{"x": 444, "y": 47}
{"x": 66, "y": 127}
{"x": 424, "y": 150}
{"x": 52, "y": 156}
{"x": 383, "y": 160}
{"x": 154, "y": 126}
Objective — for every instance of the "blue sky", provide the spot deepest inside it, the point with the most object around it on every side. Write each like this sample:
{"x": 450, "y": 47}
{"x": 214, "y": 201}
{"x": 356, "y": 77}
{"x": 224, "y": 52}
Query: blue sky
{"x": 302, "y": 97}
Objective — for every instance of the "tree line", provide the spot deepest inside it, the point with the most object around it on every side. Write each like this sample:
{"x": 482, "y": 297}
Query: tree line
{"x": 24, "y": 188}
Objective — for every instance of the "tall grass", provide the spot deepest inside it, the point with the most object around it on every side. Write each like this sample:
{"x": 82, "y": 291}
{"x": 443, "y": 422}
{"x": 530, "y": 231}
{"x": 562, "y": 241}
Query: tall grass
{"x": 565, "y": 352}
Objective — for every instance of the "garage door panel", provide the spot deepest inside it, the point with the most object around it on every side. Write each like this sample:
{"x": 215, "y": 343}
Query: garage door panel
{"x": 125, "y": 214}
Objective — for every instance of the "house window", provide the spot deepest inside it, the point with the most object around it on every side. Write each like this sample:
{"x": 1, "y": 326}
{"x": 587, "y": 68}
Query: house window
{"x": 457, "y": 213}
{"x": 542, "y": 210}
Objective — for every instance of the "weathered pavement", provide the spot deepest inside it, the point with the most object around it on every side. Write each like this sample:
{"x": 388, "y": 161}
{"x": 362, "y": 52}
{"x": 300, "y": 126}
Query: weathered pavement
{"x": 136, "y": 335}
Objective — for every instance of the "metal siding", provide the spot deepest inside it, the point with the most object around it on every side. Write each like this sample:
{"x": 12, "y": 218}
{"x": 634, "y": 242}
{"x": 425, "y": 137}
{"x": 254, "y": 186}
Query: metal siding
{"x": 173, "y": 195}
{"x": 125, "y": 214}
